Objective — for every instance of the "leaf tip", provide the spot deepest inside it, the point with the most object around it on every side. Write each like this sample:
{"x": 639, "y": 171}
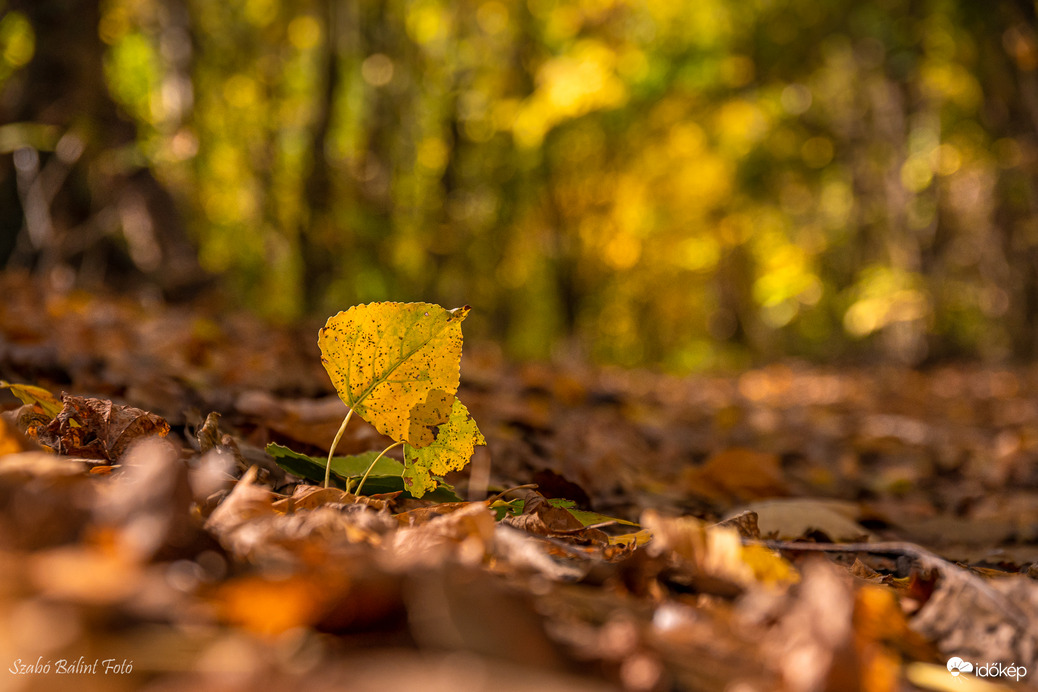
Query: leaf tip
{"x": 459, "y": 314}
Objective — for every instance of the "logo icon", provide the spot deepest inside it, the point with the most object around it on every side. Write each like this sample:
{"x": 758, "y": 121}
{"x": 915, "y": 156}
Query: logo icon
{"x": 956, "y": 665}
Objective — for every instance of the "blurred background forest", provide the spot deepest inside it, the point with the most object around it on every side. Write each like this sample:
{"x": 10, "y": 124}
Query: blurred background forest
{"x": 681, "y": 183}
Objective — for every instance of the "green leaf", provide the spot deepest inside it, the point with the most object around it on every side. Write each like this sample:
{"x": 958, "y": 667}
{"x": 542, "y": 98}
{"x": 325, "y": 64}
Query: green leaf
{"x": 351, "y": 466}
{"x": 450, "y": 451}
{"x": 384, "y": 478}
{"x": 591, "y": 518}
{"x": 396, "y": 364}
{"x": 508, "y": 508}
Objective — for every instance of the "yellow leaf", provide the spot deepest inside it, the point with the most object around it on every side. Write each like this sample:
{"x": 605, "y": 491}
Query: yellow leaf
{"x": 768, "y": 566}
{"x": 716, "y": 551}
{"x": 638, "y": 538}
{"x": 30, "y": 394}
{"x": 450, "y": 451}
{"x": 396, "y": 364}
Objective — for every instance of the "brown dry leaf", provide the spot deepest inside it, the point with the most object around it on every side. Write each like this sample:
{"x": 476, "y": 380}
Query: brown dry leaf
{"x": 795, "y": 518}
{"x": 313, "y": 496}
{"x": 981, "y": 619}
{"x": 812, "y": 643}
{"x": 97, "y": 574}
{"x": 42, "y": 464}
{"x": 542, "y": 518}
{"x": 429, "y": 670}
{"x": 32, "y": 421}
{"x": 316, "y": 531}
{"x": 423, "y": 515}
{"x": 687, "y": 636}
{"x": 737, "y": 473}
{"x": 252, "y": 526}
{"x": 962, "y": 531}
{"x": 464, "y": 609}
{"x": 743, "y": 522}
{"x": 149, "y": 501}
{"x": 45, "y": 500}
{"x": 208, "y": 436}
{"x": 99, "y": 429}
{"x": 246, "y": 503}
{"x": 466, "y": 533}
{"x": 862, "y": 571}
{"x": 518, "y": 551}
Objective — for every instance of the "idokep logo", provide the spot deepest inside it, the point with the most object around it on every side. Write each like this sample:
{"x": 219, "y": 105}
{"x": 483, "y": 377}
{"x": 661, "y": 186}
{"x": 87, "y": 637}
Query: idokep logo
{"x": 956, "y": 666}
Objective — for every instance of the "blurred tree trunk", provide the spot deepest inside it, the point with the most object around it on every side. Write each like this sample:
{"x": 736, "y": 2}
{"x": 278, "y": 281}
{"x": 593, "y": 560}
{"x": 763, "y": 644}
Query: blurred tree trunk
{"x": 1007, "y": 67}
{"x": 317, "y": 260}
{"x": 86, "y": 205}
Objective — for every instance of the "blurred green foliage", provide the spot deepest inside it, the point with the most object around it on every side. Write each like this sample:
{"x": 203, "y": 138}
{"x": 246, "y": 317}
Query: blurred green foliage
{"x": 691, "y": 183}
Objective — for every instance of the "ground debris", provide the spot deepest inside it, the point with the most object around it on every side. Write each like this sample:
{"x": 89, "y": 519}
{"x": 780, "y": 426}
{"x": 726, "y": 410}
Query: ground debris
{"x": 789, "y": 528}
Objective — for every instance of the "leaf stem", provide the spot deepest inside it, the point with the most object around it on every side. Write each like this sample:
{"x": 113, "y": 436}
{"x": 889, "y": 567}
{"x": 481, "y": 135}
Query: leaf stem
{"x": 365, "y": 476}
{"x": 335, "y": 443}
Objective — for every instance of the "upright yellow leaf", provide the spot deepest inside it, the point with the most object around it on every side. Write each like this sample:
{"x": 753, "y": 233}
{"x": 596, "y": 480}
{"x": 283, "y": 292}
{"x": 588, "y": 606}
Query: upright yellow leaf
{"x": 455, "y": 441}
{"x": 396, "y": 365}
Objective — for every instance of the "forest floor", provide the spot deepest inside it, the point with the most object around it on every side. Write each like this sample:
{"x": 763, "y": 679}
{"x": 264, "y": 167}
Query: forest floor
{"x": 788, "y": 528}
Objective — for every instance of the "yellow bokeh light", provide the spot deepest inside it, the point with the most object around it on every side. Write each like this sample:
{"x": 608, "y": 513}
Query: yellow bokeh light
{"x": 425, "y": 22}
{"x": 916, "y": 174}
{"x": 951, "y": 81}
{"x": 885, "y": 295}
{"x": 241, "y": 91}
{"x": 304, "y": 32}
{"x": 569, "y": 86}
{"x": 698, "y": 254}
{"x": 622, "y": 251}
{"x": 260, "y": 12}
{"x": 433, "y": 154}
{"x": 740, "y": 124}
{"x": 633, "y": 64}
{"x": 946, "y": 159}
{"x": 492, "y": 17}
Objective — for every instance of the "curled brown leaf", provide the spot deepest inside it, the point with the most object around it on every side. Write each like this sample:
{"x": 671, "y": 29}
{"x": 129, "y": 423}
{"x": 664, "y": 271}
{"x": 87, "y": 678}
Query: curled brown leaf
{"x": 99, "y": 429}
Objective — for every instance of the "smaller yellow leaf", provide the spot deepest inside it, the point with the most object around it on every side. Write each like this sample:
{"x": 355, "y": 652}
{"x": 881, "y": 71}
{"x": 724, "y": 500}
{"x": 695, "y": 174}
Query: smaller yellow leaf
{"x": 451, "y": 450}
